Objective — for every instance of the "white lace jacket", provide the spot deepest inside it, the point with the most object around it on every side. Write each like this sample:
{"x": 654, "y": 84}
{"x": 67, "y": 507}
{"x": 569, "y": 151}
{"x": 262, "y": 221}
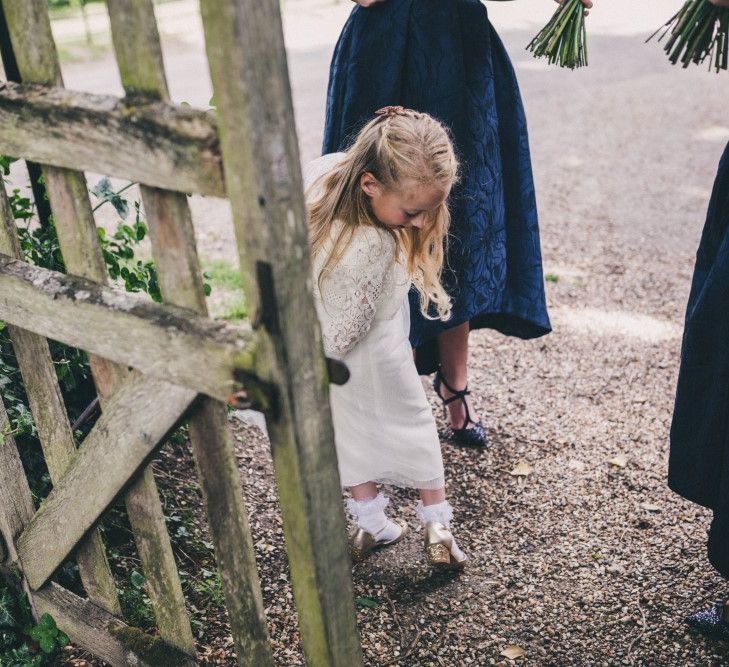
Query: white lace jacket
{"x": 359, "y": 287}
{"x": 355, "y": 290}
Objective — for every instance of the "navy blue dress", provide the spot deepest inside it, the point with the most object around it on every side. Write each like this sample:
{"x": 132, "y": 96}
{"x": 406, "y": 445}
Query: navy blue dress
{"x": 698, "y": 466}
{"x": 444, "y": 58}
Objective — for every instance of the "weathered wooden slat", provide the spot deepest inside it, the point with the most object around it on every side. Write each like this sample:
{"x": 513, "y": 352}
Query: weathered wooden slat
{"x": 30, "y": 32}
{"x": 247, "y": 59}
{"x": 164, "y": 589}
{"x": 136, "y": 419}
{"x": 138, "y": 49}
{"x": 139, "y": 55}
{"x": 220, "y": 482}
{"x": 145, "y": 141}
{"x": 10, "y": 66}
{"x": 160, "y": 340}
{"x": 54, "y": 430}
{"x": 16, "y": 501}
{"x": 82, "y": 255}
{"x": 105, "y": 635}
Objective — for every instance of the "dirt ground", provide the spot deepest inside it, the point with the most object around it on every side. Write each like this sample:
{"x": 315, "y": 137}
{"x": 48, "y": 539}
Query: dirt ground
{"x": 582, "y": 562}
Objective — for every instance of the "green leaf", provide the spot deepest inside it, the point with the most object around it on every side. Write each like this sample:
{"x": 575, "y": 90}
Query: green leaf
{"x": 5, "y": 163}
{"x": 8, "y": 610}
{"x": 103, "y": 189}
{"x": 47, "y": 644}
{"x": 137, "y": 579}
{"x": 46, "y": 622}
{"x": 366, "y": 602}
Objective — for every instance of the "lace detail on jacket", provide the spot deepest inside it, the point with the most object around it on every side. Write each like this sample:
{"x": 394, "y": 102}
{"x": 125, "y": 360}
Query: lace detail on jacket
{"x": 352, "y": 289}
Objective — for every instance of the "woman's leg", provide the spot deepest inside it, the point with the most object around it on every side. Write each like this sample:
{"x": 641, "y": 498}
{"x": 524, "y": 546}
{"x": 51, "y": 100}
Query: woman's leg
{"x": 453, "y": 354}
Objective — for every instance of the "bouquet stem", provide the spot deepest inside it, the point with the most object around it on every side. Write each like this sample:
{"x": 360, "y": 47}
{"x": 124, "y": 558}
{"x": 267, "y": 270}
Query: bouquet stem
{"x": 699, "y": 31}
{"x": 564, "y": 39}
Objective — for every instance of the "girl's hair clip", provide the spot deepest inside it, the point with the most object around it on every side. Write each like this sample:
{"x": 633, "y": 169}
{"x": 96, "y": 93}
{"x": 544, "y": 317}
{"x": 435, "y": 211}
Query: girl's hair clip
{"x": 393, "y": 111}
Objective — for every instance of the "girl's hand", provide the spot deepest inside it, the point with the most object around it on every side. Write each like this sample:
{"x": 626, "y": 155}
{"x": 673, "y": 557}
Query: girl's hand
{"x": 588, "y": 3}
{"x": 720, "y": 3}
{"x": 367, "y": 3}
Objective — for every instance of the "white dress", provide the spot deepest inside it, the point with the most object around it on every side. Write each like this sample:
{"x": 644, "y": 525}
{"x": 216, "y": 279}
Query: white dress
{"x": 383, "y": 426}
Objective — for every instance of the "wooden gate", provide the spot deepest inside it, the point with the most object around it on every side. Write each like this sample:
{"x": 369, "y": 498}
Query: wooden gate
{"x": 155, "y": 364}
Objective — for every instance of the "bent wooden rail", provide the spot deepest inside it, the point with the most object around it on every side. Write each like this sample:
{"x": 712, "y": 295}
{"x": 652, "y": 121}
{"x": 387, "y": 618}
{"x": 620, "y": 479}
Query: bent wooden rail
{"x": 140, "y": 350}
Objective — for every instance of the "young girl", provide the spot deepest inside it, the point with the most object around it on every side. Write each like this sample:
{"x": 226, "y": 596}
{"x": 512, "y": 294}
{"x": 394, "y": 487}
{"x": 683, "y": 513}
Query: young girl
{"x": 444, "y": 58}
{"x": 378, "y": 221}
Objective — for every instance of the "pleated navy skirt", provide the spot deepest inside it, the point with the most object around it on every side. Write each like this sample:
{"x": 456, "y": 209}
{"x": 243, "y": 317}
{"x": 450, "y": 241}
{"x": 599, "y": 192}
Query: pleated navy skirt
{"x": 444, "y": 58}
{"x": 698, "y": 466}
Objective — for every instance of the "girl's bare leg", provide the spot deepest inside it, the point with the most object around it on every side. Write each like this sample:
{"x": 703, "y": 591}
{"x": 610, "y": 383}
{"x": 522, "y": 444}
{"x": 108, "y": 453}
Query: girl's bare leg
{"x": 432, "y": 496}
{"x": 365, "y": 491}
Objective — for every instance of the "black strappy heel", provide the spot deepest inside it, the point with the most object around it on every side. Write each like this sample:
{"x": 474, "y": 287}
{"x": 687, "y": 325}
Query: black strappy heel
{"x": 464, "y": 436}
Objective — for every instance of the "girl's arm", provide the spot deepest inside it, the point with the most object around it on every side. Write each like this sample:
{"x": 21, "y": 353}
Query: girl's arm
{"x": 351, "y": 290}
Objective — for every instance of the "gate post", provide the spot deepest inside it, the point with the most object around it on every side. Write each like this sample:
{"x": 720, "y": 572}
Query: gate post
{"x": 263, "y": 178}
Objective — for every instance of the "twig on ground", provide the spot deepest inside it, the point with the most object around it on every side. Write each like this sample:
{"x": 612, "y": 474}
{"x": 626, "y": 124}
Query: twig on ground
{"x": 642, "y": 632}
{"x": 407, "y": 653}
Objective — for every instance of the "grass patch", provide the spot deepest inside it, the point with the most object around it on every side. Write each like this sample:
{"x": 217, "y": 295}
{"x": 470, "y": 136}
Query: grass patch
{"x": 235, "y": 310}
{"x": 228, "y": 299}
{"x": 224, "y": 275}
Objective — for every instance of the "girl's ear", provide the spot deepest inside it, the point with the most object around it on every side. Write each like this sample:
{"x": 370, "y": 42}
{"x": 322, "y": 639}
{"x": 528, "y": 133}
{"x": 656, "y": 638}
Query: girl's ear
{"x": 369, "y": 184}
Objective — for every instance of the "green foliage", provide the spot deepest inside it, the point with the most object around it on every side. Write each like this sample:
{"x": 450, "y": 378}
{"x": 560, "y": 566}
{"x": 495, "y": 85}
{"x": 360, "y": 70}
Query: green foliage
{"x": 24, "y": 643}
{"x": 39, "y": 245}
{"x": 210, "y": 585}
{"x": 136, "y": 606}
{"x": 47, "y": 635}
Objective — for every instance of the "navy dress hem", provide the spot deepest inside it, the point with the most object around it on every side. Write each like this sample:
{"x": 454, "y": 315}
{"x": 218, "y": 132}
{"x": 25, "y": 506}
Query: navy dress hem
{"x": 443, "y": 57}
{"x": 698, "y": 467}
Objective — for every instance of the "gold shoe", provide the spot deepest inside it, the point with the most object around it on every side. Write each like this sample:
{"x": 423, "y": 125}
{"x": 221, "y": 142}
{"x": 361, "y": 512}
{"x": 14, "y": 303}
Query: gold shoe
{"x": 438, "y": 545}
{"x": 362, "y": 543}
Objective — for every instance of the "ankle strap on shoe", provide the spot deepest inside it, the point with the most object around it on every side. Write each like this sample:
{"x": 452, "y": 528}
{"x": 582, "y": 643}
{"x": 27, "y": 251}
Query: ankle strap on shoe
{"x": 456, "y": 394}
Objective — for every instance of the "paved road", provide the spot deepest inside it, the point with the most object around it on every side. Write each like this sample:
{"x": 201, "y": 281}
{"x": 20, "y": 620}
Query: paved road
{"x": 630, "y": 120}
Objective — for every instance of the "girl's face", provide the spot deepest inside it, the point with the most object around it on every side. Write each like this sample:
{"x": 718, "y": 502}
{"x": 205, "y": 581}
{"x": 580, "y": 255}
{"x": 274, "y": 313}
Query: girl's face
{"x": 407, "y": 207}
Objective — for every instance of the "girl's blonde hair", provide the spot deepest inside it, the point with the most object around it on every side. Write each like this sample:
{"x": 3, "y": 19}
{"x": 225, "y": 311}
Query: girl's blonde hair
{"x": 396, "y": 146}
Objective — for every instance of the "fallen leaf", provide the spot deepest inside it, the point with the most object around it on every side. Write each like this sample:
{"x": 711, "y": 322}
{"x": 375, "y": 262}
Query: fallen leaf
{"x": 522, "y": 469}
{"x": 366, "y": 602}
{"x": 620, "y": 461}
{"x": 513, "y": 652}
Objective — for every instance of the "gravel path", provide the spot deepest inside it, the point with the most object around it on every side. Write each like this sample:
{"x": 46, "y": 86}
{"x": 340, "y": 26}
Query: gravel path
{"x": 581, "y": 562}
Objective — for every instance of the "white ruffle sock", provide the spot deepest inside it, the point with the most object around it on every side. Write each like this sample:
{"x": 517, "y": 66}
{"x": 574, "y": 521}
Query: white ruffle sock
{"x": 370, "y": 516}
{"x": 439, "y": 513}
